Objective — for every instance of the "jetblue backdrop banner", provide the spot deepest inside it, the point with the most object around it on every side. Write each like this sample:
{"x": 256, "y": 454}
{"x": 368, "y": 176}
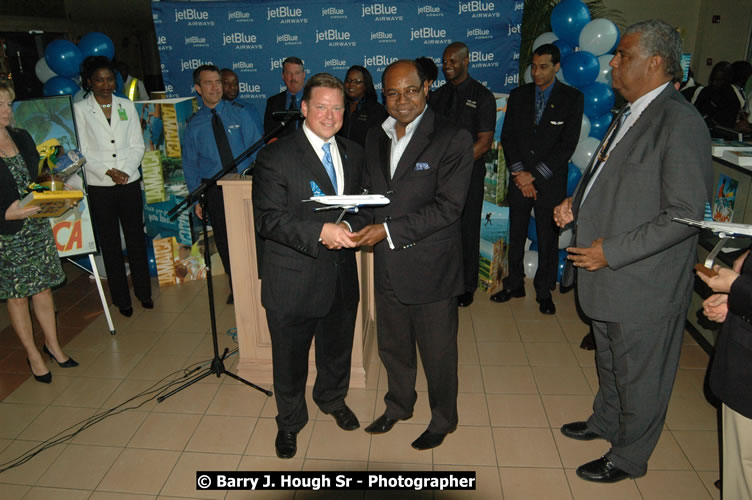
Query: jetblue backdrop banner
{"x": 253, "y": 38}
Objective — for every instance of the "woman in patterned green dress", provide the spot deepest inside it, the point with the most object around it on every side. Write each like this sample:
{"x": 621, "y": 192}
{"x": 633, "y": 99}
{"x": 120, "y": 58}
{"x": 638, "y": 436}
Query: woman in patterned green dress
{"x": 29, "y": 264}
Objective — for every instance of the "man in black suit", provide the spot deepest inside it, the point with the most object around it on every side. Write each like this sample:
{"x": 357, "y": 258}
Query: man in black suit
{"x": 540, "y": 133}
{"x": 466, "y": 102}
{"x": 293, "y": 74}
{"x": 422, "y": 163}
{"x": 309, "y": 282}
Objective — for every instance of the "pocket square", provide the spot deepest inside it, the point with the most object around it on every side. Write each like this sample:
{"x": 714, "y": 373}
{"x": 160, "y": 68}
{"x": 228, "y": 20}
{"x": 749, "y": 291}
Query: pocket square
{"x": 422, "y": 166}
{"x": 315, "y": 189}
{"x": 556, "y": 123}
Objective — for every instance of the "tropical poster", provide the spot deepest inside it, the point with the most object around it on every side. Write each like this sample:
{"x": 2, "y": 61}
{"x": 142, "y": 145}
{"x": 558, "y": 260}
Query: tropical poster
{"x": 724, "y": 199}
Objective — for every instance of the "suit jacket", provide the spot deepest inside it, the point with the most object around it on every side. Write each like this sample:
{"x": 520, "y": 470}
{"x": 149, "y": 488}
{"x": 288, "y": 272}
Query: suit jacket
{"x": 277, "y": 103}
{"x": 543, "y": 149}
{"x": 660, "y": 169}
{"x": 118, "y": 144}
{"x": 427, "y": 195}
{"x": 8, "y": 188}
{"x": 731, "y": 368}
{"x": 299, "y": 275}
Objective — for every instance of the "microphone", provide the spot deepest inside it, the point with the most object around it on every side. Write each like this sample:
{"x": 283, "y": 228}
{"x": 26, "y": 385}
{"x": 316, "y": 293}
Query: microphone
{"x": 289, "y": 114}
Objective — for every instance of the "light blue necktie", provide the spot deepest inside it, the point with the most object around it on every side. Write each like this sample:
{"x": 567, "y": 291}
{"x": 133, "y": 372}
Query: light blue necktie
{"x": 329, "y": 165}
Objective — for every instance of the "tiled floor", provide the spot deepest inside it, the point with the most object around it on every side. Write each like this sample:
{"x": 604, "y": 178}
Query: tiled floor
{"x": 522, "y": 376}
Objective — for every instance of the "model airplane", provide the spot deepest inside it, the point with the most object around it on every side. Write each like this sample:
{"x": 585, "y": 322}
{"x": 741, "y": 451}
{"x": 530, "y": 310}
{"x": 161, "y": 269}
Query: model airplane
{"x": 722, "y": 229}
{"x": 348, "y": 202}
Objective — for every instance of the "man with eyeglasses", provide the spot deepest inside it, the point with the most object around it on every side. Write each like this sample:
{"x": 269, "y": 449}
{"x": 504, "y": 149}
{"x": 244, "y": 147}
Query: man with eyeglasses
{"x": 422, "y": 163}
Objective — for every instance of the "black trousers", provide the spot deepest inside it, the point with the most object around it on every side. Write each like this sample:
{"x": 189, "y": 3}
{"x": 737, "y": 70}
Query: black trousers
{"x": 471, "y": 227}
{"x": 215, "y": 204}
{"x": 433, "y": 327}
{"x": 548, "y": 242}
{"x": 111, "y": 207}
{"x": 291, "y": 343}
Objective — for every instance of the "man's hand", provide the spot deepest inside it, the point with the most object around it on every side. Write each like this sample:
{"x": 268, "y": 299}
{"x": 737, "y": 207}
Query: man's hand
{"x": 14, "y": 212}
{"x": 723, "y": 281}
{"x": 715, "y": 307}
{"x": 522, "y": 178}
{"x": 118, "y": 176}
{"x": 529, "y": 191}
{"x": 590, "y": 259}
{"x": 563, "y": 214}
{"x": 370, "y": 235}
{"x": 334, "y": 237}
{"x": 199, "y": 212}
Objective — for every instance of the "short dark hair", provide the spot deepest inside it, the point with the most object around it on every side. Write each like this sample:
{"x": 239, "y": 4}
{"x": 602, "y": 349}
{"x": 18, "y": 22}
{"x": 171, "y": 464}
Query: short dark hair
{"x": 204, "y": 67}
{"x": 429, "y": 67}
{"x": 322, "y": 80}
{"x": 550, "y": 49}
{"x": 91, "y": 65}
{"x": 367, "y": 81}
{"x": 412, "y": 62}
{"x": 228, "y": 70}
{"x": 292, "y": 60}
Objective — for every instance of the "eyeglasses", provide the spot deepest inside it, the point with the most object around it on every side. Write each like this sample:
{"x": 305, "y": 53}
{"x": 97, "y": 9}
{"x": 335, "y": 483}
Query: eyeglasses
{"x": 394, "y": 95}
{"x": 354, "y": 82}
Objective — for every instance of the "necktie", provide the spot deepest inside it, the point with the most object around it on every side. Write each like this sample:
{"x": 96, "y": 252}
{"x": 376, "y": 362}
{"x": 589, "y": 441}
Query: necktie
{"x": 329, "y": 165}
{"x": 540, "y": 105}
{"x": 220, "y": 137}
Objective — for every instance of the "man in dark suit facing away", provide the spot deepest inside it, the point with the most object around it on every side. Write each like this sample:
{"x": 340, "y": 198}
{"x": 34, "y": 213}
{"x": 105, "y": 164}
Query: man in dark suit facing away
{"x": 309, "y": 282}
{"x": 540, "y": 133}
{"x": 422, "y": 163}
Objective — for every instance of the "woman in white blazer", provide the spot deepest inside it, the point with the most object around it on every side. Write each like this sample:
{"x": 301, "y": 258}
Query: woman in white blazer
{"x": 110, "y": 138}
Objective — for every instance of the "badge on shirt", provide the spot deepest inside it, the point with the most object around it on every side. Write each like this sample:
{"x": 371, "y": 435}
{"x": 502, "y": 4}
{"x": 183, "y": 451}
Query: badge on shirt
{"x": 122, "y": 114}
{"x": 471, "y": 104}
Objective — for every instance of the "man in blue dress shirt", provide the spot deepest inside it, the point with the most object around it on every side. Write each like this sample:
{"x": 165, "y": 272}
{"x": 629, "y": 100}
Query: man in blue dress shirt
{"x": 293, "y": 74}
{"x": 202, "y": 156}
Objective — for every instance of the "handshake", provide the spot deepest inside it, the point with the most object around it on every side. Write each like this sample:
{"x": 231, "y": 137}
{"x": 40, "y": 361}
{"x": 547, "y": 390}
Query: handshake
{"x": 337, "y": 236}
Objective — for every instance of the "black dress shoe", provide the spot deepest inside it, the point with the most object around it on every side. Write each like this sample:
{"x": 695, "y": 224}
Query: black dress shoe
{"x": 579, "y": 430}
{"x": 381, "y": 425}
{"x": 345, "y": 418}
{"x": 69, "y": 363}
{"x": 507, "y": 294}
{"x": 286, "y": 444}
{"x": 230, "y": 299}
{"x": 126, "y": 311}
{"x": 465, "y": 299}
{"x": 428, "y": 440}
{"x": 147, "y": 304}
{"x": 45, "y": 379}
{"x": 602, "y": 471}
{"x": 547, "y": 306}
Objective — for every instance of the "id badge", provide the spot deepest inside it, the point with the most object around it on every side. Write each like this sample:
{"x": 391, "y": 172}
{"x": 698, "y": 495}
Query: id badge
{"x": 122, "y": 114}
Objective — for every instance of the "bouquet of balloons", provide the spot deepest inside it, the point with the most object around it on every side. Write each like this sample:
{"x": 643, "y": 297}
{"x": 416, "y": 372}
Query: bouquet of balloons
{"x": 59, "y": 69}
{"x": 586, "y": 46}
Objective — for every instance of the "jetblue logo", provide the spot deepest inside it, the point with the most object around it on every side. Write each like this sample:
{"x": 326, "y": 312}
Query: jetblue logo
{"x": 191, "y": 15}
{"x": 247, "y": 88}
{"x": 331, "y": 34}
{"x": 335, "y": 63}
{"x": 380, "y": 60}
{"x": 196, "y": 41}
{"x": 480, "y": 59}
{"x": 333, "y": 12}
{"x": 511, "y": 80}
{"x": 430, "y": 11}
{"x": 289, "y": 39}
{"x": 191, "y": 64}
{"x": 283, "y": 12}
{"x": 238, "y": 15}
{"x": 243, "y": 66}
{"x": 479, "y": 33}
{"x": 382, "y": 12}
{"x": 427, "y": 33}
{"x": 383, "y": 37}
{"x": 477, "y": 8}
{"x": 237, "y": 38}
{"x": 162, "y": 44}
{"x": 514, "y": 29}
{"x": 277, "y": 63}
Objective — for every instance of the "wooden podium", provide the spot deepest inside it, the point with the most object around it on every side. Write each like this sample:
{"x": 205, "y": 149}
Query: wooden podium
{"x": 255, "y": 362}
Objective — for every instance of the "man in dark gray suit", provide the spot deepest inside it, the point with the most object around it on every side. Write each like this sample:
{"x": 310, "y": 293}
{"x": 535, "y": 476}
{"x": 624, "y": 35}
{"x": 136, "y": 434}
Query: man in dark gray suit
{"x": 309, "y": 284}
{"x": 633, "y": 263}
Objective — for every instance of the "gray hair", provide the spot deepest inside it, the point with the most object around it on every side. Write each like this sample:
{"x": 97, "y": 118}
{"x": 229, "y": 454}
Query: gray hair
{"x": 658, "y": 38}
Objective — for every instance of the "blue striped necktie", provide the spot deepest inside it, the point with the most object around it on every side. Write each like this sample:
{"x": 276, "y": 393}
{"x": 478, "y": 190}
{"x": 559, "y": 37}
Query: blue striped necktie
{"x": 329, "y": 165}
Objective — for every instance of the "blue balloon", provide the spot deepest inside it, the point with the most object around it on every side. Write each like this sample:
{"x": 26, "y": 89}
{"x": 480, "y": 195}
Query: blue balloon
{"x": 574, "y": 175}
{"x": 63, "y": 58}
{"x": 599, "y": 125}
{"x": 565, "y": 48}
{"x": 567, "y": 20}
{"x": 532, "y": 231}
{"x": 59, "y": 85}
{"x": 562, "y": 261}
{"x": 96, "y": 44}
{"x": 118, "y": 83}
{"x": 581, "y": 69}
{"x": 599, "y": 99}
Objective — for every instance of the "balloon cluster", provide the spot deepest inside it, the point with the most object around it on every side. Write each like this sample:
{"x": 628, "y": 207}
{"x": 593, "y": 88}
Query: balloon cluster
{"x": 59, "y": 69}
{"x": 586, "y": 48}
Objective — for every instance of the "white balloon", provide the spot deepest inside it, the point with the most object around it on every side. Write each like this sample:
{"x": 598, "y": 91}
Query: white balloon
{"x": 584, "y": 152}
{"x": 584, "y": 127}
{"x": 43, "y": 71}
{"x": 605, "y": 75}
{"x": 543, "y": 38}
{"x": 565, "y": 238}
{"x": 530, "y": 261}
{"x": 599, "y": 36}
{"x": 528, "y": 77}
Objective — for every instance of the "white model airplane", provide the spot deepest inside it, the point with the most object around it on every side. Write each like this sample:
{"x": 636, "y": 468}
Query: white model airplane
{"x": 348, "y": 202}
{"x": 722, "y": 229}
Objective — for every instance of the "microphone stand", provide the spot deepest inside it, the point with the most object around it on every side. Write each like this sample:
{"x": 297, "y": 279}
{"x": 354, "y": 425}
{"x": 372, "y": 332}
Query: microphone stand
{"x": 217, "y": 366}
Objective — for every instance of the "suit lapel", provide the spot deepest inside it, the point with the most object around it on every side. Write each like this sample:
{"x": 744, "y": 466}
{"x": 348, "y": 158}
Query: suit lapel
{"x": 98, "y": 114}
{"x": 384, "y": 159}
{"x": 347, "y": 166}
{"x": 420, "y": 140}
